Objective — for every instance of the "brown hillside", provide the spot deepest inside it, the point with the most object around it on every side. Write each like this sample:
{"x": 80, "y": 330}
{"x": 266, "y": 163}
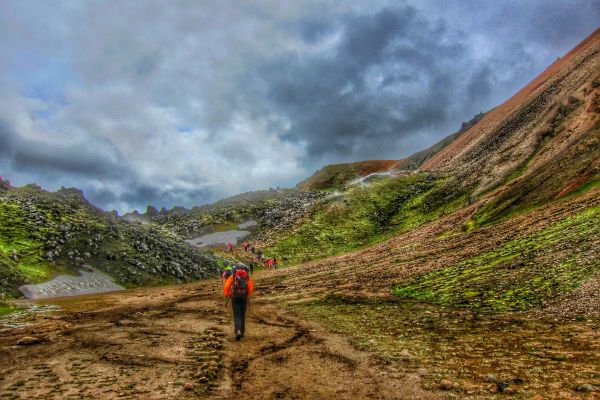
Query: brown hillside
{"x": 511, "y": 135}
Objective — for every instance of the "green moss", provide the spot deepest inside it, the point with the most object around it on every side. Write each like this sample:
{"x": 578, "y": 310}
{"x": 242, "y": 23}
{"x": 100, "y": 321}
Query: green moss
{"x": 6, "y": 309}
{"x": 586, "y": 187}
{"x": 20, "y": 246}
{"x": 519, "y": 274}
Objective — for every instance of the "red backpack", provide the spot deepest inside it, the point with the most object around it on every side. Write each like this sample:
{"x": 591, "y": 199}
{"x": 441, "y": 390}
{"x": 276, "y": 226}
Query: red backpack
{"x": 239, "y": 289}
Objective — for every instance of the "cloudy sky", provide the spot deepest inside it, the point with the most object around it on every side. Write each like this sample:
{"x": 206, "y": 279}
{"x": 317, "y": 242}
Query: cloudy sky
{"x": 183, "y": 102}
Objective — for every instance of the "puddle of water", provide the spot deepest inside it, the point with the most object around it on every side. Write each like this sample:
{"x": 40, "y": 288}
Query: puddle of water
{"x": 89, "y": 281}
{"x": 247, "y": 224}
{"x": 233, "y": 236}
{"x": 19, "y": 319}
{"x": 218, "y": 238}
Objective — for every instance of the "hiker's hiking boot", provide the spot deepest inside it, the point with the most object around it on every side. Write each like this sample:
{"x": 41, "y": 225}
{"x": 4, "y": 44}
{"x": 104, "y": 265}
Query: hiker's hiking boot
{"x": 238, "y": 335}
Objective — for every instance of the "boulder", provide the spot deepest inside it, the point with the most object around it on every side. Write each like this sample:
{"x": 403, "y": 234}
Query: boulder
{"x": 28, "y": 341}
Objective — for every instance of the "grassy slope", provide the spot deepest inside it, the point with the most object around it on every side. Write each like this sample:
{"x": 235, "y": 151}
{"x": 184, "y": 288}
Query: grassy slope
{"x": 520, "y": 274}
{"x": 524, "y": 273}
{"x": 26, "y": 244}
{"x": 570, "y": 171}
{"x": 364, "y": 216}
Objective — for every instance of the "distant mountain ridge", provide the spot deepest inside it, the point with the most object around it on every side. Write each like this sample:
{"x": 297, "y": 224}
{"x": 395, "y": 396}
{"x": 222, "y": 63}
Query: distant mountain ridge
{"x": 337, "y": 175}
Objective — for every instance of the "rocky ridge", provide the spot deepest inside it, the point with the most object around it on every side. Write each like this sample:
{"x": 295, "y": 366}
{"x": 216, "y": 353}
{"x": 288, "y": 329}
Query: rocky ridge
{"x": 274, "y": 210}
{"x": 46, "y": 233}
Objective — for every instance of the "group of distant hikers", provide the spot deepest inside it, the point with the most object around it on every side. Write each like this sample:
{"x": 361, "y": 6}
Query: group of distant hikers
{"x": 238, "y": 284}
{"x": 270, "y": 263}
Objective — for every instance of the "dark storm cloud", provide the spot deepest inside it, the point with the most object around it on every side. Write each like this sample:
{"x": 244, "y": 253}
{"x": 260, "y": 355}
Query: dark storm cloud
{"x": 26, "y": 154}
{"x": 6, "y": 136}
{"x": 69, "y": 160}
{"x": 396, "y": 75}
{"x": 359, "y": 97}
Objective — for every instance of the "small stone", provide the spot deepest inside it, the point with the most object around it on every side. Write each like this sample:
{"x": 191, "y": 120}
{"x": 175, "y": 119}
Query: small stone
{"x": 493, "y": 388}
{"x": 586, "y": 387}
{"x": 490, "y": 378}
{"x": 28, "y": 341}
{"x": 554, "y": 386}
{"x": 188, "y": 386}
{"x": 446, "y": 385}
{"x": 509, "y": 391}
{"x": 405, "y": 355}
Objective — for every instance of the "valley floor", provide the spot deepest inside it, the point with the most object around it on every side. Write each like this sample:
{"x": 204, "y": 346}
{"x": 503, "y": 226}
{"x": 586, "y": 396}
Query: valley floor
{"x": 150, "y": 343}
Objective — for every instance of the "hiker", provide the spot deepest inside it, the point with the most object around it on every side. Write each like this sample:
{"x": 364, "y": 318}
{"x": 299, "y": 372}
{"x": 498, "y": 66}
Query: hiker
{"x": 245, "y": 245}
{"x": 259, "y": 254}
{"x": 238, "y": 288}
{"x": 252, "y": 264}
{"x": 230, "y": 247}
{"x": 275, "y": 263}
{"x": 253, "y": 249}
{"x": 270, "y": 263}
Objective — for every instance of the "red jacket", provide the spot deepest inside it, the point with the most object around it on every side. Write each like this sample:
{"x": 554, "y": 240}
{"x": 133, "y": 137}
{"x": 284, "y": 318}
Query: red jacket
{"x": 229, "y": 282}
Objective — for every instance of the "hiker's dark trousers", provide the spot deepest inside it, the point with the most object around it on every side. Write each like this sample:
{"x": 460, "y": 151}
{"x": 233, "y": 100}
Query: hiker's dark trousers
{"x": 239, "y": 313}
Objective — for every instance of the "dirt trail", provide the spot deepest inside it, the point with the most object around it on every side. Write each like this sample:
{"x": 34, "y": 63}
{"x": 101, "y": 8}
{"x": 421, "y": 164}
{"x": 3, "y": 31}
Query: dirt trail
{"x": 148, "y": 343}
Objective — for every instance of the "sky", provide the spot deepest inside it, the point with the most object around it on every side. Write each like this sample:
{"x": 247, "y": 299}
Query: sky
{"x": 184, "y": 102}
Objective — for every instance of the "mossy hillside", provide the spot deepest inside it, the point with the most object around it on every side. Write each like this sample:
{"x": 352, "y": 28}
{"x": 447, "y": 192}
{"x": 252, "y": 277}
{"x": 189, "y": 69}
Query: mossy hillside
{"x": 520, "y": 274}
{"x": 7, "y": 308}
{"x": 43, "y": 234}
{"x": 21, "y": 248}
{"x": 365, "y": 215}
